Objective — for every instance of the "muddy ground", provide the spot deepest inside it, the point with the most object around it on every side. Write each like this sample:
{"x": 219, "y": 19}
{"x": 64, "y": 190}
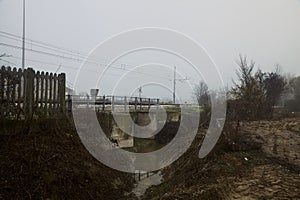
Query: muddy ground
{"x": 51, "y": 163}
{"x": 256, "y": 160}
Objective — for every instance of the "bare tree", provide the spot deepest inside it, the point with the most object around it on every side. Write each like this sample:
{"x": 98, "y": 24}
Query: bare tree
{"x": 257, "y": 91}
{"x": 201, "y": 94}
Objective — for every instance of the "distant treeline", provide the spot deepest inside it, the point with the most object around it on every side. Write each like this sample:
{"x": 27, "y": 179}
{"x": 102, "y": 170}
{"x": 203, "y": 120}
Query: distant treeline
{"x": 256, "y": 94}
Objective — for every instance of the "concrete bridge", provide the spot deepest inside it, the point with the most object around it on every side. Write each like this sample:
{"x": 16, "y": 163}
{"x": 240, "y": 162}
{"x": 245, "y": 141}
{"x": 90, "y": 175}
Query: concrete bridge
{"x": 123, "y": 117}
{"x": 122, "y": 128}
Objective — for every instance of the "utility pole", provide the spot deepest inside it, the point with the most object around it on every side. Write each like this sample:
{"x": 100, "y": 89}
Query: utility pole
{"x": 23, "y": 38}
{"x": 174, "y": 84}
{"x": 140, "y": 92}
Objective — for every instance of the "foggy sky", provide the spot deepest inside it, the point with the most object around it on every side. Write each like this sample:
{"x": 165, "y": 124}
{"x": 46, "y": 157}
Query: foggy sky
{"x": 266, "y": 31}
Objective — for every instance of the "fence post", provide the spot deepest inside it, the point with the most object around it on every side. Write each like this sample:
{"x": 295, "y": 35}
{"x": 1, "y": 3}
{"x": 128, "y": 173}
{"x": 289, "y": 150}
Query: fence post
{"x": 20, "y": 89}
{"x": 42, "y": 91}
{"x": 50, "y": 93}
{"x": 69, "y": 105}
{"x": 2, "y": 79}
{"x": 8, "y": 89}
{"x": 55, "y": 92}
{"x": 37, "y": 90}
{"x": 46, "y": 89}
{"x": 29, "y": 93}
{"x": 14, "y": 91}
{"x": 62, "y": 92}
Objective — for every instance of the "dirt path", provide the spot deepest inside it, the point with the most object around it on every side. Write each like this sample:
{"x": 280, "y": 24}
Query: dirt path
{"x": 267, "y": 182}
{"x": 281, "y": 139}
{"x": 280, "y": 179}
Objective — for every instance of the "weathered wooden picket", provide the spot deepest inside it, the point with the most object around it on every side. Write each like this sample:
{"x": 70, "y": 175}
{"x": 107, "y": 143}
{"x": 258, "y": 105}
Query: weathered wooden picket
{"x": 28, "y": 94}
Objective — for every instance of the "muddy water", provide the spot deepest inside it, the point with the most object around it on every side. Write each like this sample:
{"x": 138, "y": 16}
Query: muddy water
{"x": 153, "y": 178}
{"x": 147, "y": 145}
{"x": 146, "y": 182}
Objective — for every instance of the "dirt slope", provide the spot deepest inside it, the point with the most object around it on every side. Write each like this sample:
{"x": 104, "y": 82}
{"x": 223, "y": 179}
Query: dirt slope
{"x": 243, "y": 165}
{"x": 51, "y": 163}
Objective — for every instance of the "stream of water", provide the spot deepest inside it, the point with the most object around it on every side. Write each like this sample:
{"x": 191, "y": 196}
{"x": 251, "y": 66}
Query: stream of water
{"x": 146, "y": 182}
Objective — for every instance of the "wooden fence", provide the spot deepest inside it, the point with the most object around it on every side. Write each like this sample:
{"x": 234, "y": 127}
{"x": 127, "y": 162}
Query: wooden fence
{"x": 28, "y": 94}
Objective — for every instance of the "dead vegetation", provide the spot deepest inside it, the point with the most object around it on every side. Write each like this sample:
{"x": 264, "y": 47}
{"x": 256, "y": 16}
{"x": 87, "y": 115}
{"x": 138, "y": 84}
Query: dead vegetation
{"x": 51, "y": 163}
{"x": 243, "y": 165}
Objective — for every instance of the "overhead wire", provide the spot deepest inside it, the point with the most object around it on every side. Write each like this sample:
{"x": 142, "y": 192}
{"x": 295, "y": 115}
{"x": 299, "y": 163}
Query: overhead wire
{"x": 64, "y": 51}
{"x": 61, "y": 49}
{"x": 67, "y": 55}
{"x": 78, "y": 60}
{"x": 51, "y": 47}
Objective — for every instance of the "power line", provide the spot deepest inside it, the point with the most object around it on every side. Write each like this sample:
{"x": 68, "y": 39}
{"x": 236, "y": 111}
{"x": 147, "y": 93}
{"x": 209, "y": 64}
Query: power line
{"x": 59, "y": 49}
{"x": 47, "y": 63}
{"x": 43, "y": 43}
{"x": 74, "y": 68}
{"x": 53, "y": 64}
{"x": 48, "y": 46}
{"x": 75, "y": 59}
{"x": 41, "y": 46}
{"x": 55, "y": 48}
{"x": 9, "y": 62}
{"x": 15, "y": 37}
{"x": 42, "y": 52}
